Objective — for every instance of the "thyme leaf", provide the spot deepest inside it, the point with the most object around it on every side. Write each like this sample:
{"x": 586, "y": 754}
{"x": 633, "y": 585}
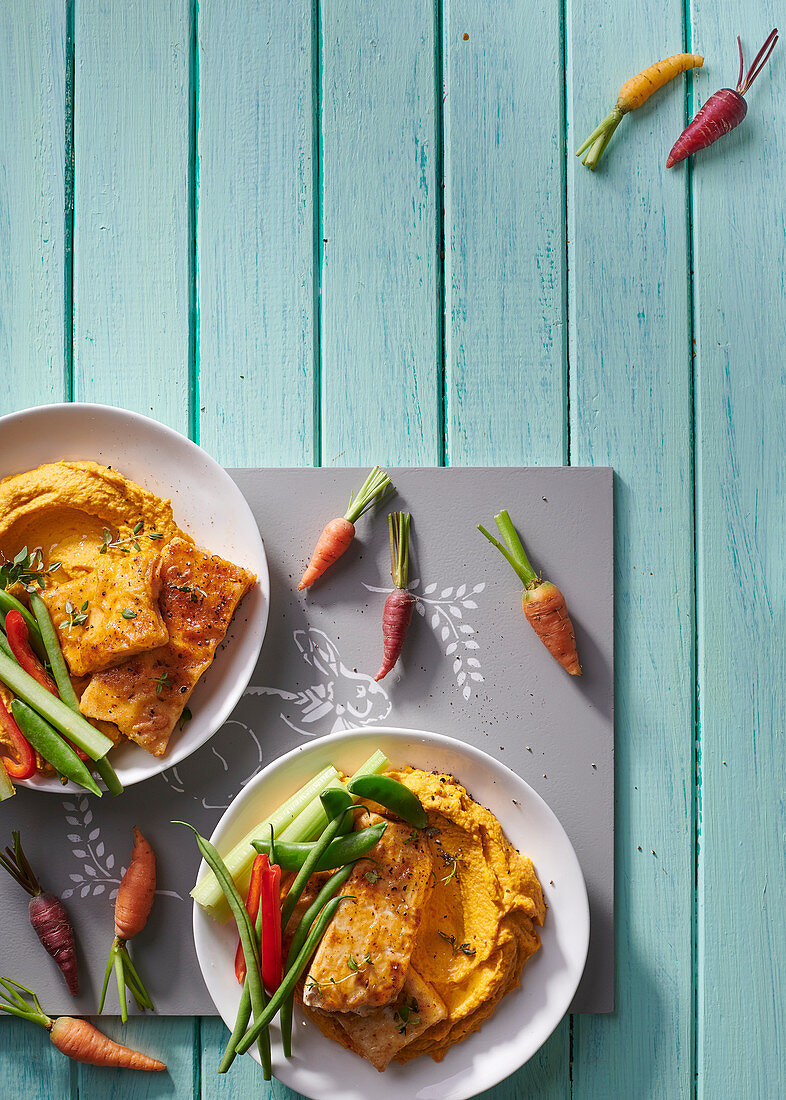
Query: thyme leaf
{"x": 26, "y": 569}
{"x": 75, "y": 617}
{"x": 162, "y": 682}
{"x": 108, "y": 543}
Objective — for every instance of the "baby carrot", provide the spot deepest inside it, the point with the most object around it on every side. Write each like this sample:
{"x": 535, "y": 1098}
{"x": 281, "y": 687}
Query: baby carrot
{"x": 543, "y": 603}
{"x": 132, "y": 908}
{"x": 338, "y": 534}
{"x": 397, "y": 613}
{"x": 633, "y": 94}
{"x": 724, "y": 110}
{"x": 48, "y": 915}
{"x": 77, "y": 1039}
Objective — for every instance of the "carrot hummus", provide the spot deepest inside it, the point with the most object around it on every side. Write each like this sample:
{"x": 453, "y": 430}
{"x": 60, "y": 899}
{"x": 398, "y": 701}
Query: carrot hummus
{"x": 479, "y": 927}
{"x": 64, "y": 507}
{"x": 458, "y": 909}
{"x": 139, "y": 610}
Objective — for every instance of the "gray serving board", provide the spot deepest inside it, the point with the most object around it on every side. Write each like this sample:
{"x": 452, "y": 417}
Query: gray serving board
{"x": 472, "y": 668}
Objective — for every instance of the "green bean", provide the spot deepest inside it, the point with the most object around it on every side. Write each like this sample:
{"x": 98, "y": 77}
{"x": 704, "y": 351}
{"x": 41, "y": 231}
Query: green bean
{"x": 343, "y": 849}
{"x": 293, "y": 974}
{"x": 51, "y": 746}
{"x": 335, "y": 800}
{"x": 247, "y": 938}
{"x": 5, "y": 647}
{"x": 66, "y": 721}
{"x": 244, "y": 1013}
{"x": 63, "y": 681}
{"x": 393, "y": 795}
{"x": 311, "y": 861}
{"x": 11, "y": 603}
{"x": 239, "y": 1030}
{"x": 334, "y": 883}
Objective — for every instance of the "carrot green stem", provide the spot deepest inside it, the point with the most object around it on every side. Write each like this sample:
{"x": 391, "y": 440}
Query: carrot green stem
{"x": 376, "y": 487}
{"x": 513, "y": 551}
{"x": 127, "y": 979}
{"x": 16, "y": 863}
{"x": 11, "y": 1000}
{"x": 596, "y": 143}
{"x": 398, "y": 526}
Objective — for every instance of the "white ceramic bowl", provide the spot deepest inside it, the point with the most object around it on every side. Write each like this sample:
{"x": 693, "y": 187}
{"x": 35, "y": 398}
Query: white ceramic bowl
{"x": 321, "y": 1069}
{"x": 207, "y": 504}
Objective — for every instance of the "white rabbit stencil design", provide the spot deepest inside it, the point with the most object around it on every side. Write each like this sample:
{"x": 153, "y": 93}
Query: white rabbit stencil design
{"x": 341, "y": 698}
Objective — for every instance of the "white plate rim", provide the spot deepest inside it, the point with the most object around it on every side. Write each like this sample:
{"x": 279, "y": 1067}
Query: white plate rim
{"x": 462, "y": 1087}
{"x": 243, "y": 674}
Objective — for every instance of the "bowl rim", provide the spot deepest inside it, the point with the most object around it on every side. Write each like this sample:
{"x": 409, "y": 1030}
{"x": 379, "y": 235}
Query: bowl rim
{"x": 580, "y": 927}
{"x": 241, "y": 679}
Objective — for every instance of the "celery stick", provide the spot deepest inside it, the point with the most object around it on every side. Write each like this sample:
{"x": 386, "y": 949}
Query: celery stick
{"x": 6, "y": 786}
{"x": 69, "y": 723}
{"x": 207, "y": 891}
{"x": 313, "y": 820}
{"x": 306, "y": 822}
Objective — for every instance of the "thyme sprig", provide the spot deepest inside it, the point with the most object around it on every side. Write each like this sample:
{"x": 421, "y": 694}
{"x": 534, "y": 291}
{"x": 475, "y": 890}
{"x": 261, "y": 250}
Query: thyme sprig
{"x": 162, "y": 682}
{"x": 194, "y": 591}
{"x": 452, "y": 862}
{"x": 464, "y": 948}
{"x": 125, "y": 545}
{"x": 27, "y": 569}
{"x": 76, "y": 616}
{"x": 406, "y": 1015}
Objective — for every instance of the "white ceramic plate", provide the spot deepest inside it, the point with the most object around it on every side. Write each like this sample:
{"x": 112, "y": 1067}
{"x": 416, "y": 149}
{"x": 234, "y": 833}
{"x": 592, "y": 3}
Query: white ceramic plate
{"x": 207, "y": 504}
{"x": 525, "y": 1018}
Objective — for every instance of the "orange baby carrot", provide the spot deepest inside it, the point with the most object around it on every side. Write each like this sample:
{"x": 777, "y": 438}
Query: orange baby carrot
{"x": 75, "y": 1038}
{"x": 132, "y": 908}
{"x": 338, "y": 534}
{"x": 137, "y": 890}
{"x": 543, "y": 603}
{"x": 633, "y": 94}
{"x": 84, "y": 1043}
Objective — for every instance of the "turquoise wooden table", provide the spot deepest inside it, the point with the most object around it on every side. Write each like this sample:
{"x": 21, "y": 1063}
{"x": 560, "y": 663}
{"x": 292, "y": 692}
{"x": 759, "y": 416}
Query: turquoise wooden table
{"x": 338, "y": 231}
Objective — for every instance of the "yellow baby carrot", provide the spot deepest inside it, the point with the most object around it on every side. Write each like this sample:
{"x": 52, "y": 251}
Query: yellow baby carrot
{"x": 633, "y": 93}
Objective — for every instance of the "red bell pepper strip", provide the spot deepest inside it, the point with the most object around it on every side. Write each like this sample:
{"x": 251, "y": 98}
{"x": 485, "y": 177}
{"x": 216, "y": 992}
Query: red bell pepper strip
{"x": 24, "y": 767}
{"x": 258, "y": 868}
{"x": 270, "y": 907}
{"x": 19, "y": 641}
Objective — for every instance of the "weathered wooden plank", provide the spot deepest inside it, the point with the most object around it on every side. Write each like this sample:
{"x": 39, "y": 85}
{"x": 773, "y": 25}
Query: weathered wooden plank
{"x": 32, "y": 296}
{"x": 504, "y": 232}
{"x": 255, "y": 266}
{"x": 740, "y": 258}
{"x": 32, "y": 204}
{"x": 380, "y": 362}
{"x": 132, "y": 242}
{"x": 132, "y": 236}
{"x": 630, "y": 402}
{"x": 255, "y": 231}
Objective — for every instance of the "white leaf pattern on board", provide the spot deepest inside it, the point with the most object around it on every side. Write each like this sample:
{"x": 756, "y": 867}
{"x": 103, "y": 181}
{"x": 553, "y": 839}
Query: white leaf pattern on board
{"x": 446, "y": 617}
{"x": 340, "y": 698}
{"x": 96, "y": 875}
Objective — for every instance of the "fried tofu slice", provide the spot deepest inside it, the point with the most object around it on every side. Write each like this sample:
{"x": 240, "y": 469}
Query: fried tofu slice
{"x": 145, "y": 696}
{"x": 109, "y": 614}
{"x": 381, "y": 1036}
{"x": 363, "y": 959}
